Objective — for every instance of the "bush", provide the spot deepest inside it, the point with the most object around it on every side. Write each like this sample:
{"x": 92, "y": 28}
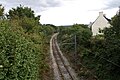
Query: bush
{"x": 18, "y": 56}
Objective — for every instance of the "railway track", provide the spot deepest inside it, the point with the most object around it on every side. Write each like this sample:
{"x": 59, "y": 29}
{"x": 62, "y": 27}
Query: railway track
{"x": 61, "y": 67}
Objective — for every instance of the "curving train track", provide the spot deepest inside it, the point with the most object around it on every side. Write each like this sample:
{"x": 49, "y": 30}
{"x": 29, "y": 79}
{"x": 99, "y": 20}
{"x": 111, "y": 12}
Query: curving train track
{"x": 60, "y": 65}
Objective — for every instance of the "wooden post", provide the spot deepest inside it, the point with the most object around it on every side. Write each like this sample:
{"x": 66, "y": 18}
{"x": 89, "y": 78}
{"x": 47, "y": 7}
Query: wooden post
{"x": 75, "y": 54}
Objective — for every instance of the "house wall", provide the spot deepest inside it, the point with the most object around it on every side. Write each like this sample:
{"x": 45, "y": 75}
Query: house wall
{"x": 100, "y": 23}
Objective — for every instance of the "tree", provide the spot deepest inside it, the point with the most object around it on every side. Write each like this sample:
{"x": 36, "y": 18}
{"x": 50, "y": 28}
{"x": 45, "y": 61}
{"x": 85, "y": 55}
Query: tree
{"x": 116, "y": 24}
{"x": 1, "y": 11}
{"x": 111, "y": 50}
{"x": 20, "y": 12}
{"x": 25, "y": 17}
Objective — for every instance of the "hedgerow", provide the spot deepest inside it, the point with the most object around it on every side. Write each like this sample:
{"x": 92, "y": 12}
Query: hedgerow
{"x": 18, "y": 56}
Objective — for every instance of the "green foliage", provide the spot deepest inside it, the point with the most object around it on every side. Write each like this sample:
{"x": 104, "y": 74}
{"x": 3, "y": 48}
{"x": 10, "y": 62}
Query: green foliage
{"x": 28, "y": 24}
{"x": 18, "y": 57}
{"x": 103, "y": 57}
{"x": 100, "y": 54}
{"x": 116, "y": 25}
{"x": 105, "y": 52}
{"x": 67, "y": 35}
{"x": 23, "y": 48}
{"x": 67, "y": 41}
{"x": 25, "y": 18}
{"x": 1, "y": 10}
{"x": 112, "y": 49}
{"x": 21, "y": 12}
{"x": 82, "y": 33}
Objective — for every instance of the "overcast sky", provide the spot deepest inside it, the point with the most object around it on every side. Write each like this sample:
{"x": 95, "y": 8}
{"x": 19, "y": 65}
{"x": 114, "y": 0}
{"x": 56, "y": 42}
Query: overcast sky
{"x": 67, "y": 12}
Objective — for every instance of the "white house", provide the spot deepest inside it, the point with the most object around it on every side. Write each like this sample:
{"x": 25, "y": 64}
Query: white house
{"x": 99, "y": 24}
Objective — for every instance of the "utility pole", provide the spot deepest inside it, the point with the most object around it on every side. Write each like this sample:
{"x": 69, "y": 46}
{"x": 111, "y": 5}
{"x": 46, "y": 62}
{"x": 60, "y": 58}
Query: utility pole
{"x": 58, "y": 30}
{"x": 75, "y": 47}
{"x": 75, "y": 54}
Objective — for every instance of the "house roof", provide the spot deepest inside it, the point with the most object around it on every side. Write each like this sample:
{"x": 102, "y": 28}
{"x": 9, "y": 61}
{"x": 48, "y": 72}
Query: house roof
{"x": 109, "y": 20}
{"x": 91, "y": 23}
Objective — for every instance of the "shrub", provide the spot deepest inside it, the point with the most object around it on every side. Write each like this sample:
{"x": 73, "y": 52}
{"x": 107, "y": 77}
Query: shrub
{"x": 18, "y": 56}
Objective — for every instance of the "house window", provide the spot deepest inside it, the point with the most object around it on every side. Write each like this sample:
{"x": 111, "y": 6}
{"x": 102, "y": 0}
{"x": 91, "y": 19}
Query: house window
{"x": 100, "y": 30}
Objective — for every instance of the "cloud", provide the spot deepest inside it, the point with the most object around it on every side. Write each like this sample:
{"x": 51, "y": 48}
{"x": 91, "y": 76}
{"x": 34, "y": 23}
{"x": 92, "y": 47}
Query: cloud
{"x": 37, "y": 5}
{"x": 110, "y": 4}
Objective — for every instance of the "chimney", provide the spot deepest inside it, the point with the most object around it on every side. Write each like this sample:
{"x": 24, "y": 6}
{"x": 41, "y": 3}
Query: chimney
{"x": 101, "y": 14}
